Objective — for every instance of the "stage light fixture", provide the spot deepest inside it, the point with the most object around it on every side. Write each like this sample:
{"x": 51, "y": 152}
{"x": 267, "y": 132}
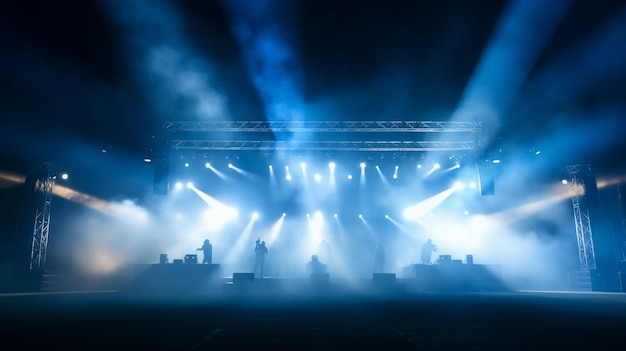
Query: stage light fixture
{"x": 387, "y": 216}
{"x": 473, "y": 185}
{"x": 186, "y": 164}
{"x": 230, "y": 165}
{"x": 361, "y": 216}
{"x": 437, "y": 166}
{"x": 331, "y": 165}
{"x": 207, "y": 165}
{"x": 335, "y": 215}
{"x": 362, "y": 165}
{"x": 284, "y": 214}
{"x": 419, "y": 166}
{"x": 255, "y": 215}
{"x": 178, "y": 186}
{"x": 288, "y": 177}
{"x": 65, "y": 176}
{"x": 189, "y": 185}
{"x": 349, "y": 176}
{"x": 317, "y": 177}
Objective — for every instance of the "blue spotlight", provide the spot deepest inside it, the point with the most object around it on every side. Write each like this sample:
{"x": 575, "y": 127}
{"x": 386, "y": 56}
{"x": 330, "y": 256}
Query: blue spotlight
{"x": 186, "y": 164}
{"x": 207, "y": 165}
{"x": 331, "y": 165}
{"x": 189, "y": 185}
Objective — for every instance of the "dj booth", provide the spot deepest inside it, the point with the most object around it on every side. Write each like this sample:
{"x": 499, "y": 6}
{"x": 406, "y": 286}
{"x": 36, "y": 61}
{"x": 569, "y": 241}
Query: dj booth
{"x": 179, "y": 276}
{"x": 453, "y": 277}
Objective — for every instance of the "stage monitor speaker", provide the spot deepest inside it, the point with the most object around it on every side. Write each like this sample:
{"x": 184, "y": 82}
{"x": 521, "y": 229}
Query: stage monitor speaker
{"x": 319, "y": 278}
{"x": 191, "y": 259}
{"x": 384, "y": 279}
{"x": 243, "y": 278}
{"x": 443, "y": 259}
{"x": 163, "y": 259}
{"x": 469, "y": 259}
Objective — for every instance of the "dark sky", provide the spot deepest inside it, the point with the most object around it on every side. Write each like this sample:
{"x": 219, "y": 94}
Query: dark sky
{"x": 79, "y": 77}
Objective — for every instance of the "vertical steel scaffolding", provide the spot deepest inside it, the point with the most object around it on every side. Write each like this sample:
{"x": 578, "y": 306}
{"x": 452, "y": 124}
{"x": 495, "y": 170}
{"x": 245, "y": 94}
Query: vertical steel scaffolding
{"x": 45, "y": 175}
{"x": 582, "y": 219}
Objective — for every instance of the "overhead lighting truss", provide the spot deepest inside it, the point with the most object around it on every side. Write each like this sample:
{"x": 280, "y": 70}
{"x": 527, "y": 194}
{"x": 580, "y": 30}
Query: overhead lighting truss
{"x": 324, "y": 126}
{"x": 261, "y": 135}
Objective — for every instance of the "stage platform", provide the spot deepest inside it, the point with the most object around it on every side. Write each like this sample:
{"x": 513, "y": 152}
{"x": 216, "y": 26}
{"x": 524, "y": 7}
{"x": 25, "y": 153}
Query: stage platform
{"x": 203, "y": 278}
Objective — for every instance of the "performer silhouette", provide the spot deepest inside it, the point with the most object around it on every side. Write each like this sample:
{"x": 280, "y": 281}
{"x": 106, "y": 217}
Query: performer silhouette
{"x": 207, "y": 250}
{"x": 427, "y": 250}
{"x": 260, "y": 252}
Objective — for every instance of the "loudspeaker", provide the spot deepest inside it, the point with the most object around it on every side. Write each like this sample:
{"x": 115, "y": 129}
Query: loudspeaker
{"x": 161, "y": 179}
{"x": 384, "y": 279}
{"x": 163, "y": 259}
{"x": 191, "y": 259}
{"x": 243, "y": 278}
{"x": 443, "y": 259}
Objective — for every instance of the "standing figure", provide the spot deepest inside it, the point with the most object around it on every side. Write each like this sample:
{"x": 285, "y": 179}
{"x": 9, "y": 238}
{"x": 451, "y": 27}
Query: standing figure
{"x": 379, "y": 258}
{"x": 427, "y": 250}
{"x": 207, "y": 250}
{"x": 260, "y": 250}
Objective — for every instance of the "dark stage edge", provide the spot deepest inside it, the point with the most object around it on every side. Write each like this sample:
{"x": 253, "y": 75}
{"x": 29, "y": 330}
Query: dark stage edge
{"x": 333, "y": 320}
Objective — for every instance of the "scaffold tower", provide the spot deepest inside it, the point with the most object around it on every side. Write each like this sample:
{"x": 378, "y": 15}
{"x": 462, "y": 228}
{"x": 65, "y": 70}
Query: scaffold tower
{"x": 582, "y": 219}
{"x": 44, "y": 181}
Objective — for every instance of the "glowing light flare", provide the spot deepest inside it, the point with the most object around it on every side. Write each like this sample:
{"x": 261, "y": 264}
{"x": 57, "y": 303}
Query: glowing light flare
{"x": 417, "y": 211}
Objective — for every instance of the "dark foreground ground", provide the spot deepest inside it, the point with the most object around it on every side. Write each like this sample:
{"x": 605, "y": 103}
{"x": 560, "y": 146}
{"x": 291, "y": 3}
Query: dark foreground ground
{"x": 247, "y": 319}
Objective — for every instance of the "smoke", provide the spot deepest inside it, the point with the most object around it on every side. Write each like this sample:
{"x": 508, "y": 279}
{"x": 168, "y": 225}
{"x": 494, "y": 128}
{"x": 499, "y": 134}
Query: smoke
{"x": 178, "y": 79}
{"x": 263, "y": 30}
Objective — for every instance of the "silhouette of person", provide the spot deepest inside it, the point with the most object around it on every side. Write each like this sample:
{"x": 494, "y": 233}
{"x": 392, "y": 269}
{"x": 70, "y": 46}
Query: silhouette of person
{"x": 260, "y": 250}
{"x": 427, "y": 250}
{"x": 207, "y": 250}
{"x": 379, "y": 258}
{"x": 315, "y": 266}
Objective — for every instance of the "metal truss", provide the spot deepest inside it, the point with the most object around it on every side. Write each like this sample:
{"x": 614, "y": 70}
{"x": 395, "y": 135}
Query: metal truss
{"x": 259, "y": 135}
{"x": 324, "y": 126}
{"x": 582, "y": 219}
{"x": 43, "y": 197}
{"x": 360, "y": 146}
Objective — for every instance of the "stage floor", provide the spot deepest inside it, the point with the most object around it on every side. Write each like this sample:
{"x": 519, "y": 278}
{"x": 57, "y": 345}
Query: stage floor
{"x": 247, "y": 319}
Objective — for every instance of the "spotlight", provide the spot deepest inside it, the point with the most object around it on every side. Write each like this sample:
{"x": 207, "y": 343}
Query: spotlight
{"x": 378, "y": 168}
{"x": 186, "y": 164}
{"x": 437, "y": 166}
{"x": 335, "y": 215}
{"x": 255, "y": 215}
{"x": 331, "y": 165}
{"x": 362, "y": 165}
{"x": 349, "y": 176}
{"x": 386, "y": 216}
{"x": 564, "y": 181}
{"x": 361, "y": 216}
{"x": 473, "y": 185}
{"x": 317, "y": 177}
{"x": 147, "y": 160}
{"x": 178, "y": 186}
{"x": 459, "y": 185}
{"x": 466, "y": 213}
{"x": 64, "y": 176}
{"x": 288, "y": 177}
{"x": 419, "y": 166}
{"x": 207, "y": 165}
{"x": 230, "y": 165}
{"x": 284, "y": 214}
{"x": 496, "y": 161}
{"x": 189, "y": 185}
{"x": 302, "y": 165}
